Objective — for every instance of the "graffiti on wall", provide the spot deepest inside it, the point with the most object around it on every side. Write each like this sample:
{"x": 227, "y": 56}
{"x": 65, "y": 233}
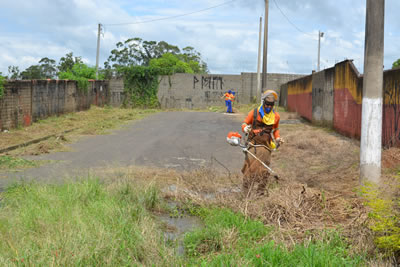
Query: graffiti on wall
{"x": 392, "y": 114}
{"x": 208, "y": 82}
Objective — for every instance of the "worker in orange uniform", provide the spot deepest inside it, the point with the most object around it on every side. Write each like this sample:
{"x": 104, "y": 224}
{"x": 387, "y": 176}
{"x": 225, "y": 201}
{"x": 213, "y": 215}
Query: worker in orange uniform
{"x": 228, "y": 101}
{"x": 232, "y": 99}
{"x": 262, "y": 127}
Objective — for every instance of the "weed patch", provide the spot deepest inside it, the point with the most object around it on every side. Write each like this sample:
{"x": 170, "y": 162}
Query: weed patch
{"x": 82, "y": 223}
{"x": 13, "y": 163}
{"x": 384, "y": 218}
{"x": 229, "y": 239}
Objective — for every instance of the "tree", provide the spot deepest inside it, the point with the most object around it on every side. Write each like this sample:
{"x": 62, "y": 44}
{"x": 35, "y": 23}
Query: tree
{"x": 34, "y": 72}
{"x": 13, "y": 72}
{"x": 169, "y": 64}
{"x": 137, "y": 52}
{"x": 67, "y": 63}
{"x": 193, "y": 58}
{"x": 396, "y": 64}
{"x": 48, "y": 68}
{"x": 45, "y": 70}
{"x": 80, "y": 73}
{"x": 2, "y": 79}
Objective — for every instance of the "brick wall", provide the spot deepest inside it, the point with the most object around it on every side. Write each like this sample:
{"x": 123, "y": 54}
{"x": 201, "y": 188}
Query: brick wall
{"x": 27, "y": 101}
{"x": 15, "y": 105}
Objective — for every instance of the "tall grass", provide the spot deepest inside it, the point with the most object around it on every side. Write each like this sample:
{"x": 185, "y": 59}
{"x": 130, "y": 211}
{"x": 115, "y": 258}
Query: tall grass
{"x": 229, "y": 239}
{"x": 79, "y": 224}
{"x": 89, "y": 223}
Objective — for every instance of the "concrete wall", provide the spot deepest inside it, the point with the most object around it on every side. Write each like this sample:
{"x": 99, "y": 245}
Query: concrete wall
{"x": 117, "y": 92}
{"x": 190, "y": 91}
{"x": 299, "y": 98}
{"x": 27, "y": 101}
{"x": 198, "y": 91}
{"x": 391, "y": 108}
{"x": 336, "y": 100}
{"x": 322, "y": 96}
{"x": 347, "y": 100}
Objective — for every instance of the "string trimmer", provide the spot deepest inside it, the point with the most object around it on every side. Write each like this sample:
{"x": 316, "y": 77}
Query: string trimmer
{"x": 234, "y": 139}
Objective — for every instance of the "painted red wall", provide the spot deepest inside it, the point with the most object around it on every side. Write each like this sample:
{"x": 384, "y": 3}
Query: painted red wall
{"x": 346, "y": 114}
{"x": 302, "y": 104}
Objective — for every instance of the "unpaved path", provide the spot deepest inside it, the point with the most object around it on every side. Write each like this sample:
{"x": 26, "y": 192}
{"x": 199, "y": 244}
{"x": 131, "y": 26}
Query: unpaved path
{"x": 180, "y": 140}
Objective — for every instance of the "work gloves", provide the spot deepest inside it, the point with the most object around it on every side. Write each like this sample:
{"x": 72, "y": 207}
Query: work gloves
{"x": 279, "y": 141}
{"x": 247, "y": 129}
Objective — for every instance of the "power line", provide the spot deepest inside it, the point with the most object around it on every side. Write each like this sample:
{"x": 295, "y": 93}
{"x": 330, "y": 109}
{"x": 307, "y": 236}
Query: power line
{"x": 297, "y": 28}
{"x": 171, "y": 17}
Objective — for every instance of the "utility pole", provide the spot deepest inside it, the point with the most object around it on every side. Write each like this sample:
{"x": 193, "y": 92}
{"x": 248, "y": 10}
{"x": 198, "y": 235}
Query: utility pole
{"x": 265, "y": 51}
{"x": 320, "y": 34}
{"x": 259, "y": 64}
{"x": 371, "y": 123}
{"x": 98, "y": 51}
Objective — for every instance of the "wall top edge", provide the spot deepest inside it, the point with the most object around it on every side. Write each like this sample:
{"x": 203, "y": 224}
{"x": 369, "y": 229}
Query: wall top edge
{"x": 51, "y": 80}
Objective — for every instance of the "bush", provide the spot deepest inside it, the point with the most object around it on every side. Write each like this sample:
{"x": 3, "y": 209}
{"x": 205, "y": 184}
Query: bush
{"x": 80, "y": 73}
{"x": 2, "y": 81}
{"x": 384, "y": 218}
{"x": 141, "y": 85}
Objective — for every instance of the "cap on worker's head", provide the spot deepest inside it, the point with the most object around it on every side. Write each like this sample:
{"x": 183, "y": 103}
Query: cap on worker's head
{"x": 230, "y": 91}
{"x": 269, "y": 96}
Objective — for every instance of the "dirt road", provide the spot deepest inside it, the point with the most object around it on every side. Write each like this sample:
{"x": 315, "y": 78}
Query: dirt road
{"x": 179, "y": 140}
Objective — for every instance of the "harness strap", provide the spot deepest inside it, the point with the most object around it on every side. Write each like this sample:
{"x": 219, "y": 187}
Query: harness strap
{"x": 254, "y": 118}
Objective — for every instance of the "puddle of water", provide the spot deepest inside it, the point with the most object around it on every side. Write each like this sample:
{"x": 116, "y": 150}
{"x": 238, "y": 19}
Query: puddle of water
{"x": 178, "y": 225}
{"x": 206, "y": 195}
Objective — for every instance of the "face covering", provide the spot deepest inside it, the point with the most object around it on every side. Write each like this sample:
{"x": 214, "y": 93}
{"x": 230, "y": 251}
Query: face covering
{"x": 268, "y": 110}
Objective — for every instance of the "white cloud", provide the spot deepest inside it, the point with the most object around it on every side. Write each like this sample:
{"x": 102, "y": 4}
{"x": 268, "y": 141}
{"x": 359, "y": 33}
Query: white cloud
{"x": 227, "y": 36}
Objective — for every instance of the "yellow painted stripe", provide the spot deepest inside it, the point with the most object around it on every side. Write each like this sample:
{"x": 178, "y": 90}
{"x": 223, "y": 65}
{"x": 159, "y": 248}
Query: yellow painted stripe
{"x": 302, "y": 86}
{"x": 346, "y": 78}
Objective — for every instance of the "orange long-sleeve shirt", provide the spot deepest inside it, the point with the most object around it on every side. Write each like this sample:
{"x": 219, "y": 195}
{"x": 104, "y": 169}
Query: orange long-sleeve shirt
{"x": 249, "y": 121}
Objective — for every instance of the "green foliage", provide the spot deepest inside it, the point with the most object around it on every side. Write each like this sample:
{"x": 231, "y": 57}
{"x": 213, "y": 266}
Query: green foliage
{"x": 89, "y": 223}
{"x": 34, "y": 72}
{"x": 68, "y": 61}
{"x": 78, "y": 224}
{"x": 14, "y": 72}
{"x": 80, "y": 73}
{"x": 229, "y": 239}
{"x": 141, "y": 85}
{"x": 12, "y": 163}
{"x": 396, "y": 64}
{"x": 218, "y": 222}
{"x": 385, "y": 218}
{"x": 137, "y": 52}
{"x": 169, "y": 64}
{"x": 48, "y": 68}
{"x": 2, "y": 81}
{"x": 45, "y": 70}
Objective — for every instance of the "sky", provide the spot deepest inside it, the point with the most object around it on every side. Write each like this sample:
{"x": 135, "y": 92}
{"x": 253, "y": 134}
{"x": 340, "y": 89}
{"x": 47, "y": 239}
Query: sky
{"x": 226, "y": 34}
